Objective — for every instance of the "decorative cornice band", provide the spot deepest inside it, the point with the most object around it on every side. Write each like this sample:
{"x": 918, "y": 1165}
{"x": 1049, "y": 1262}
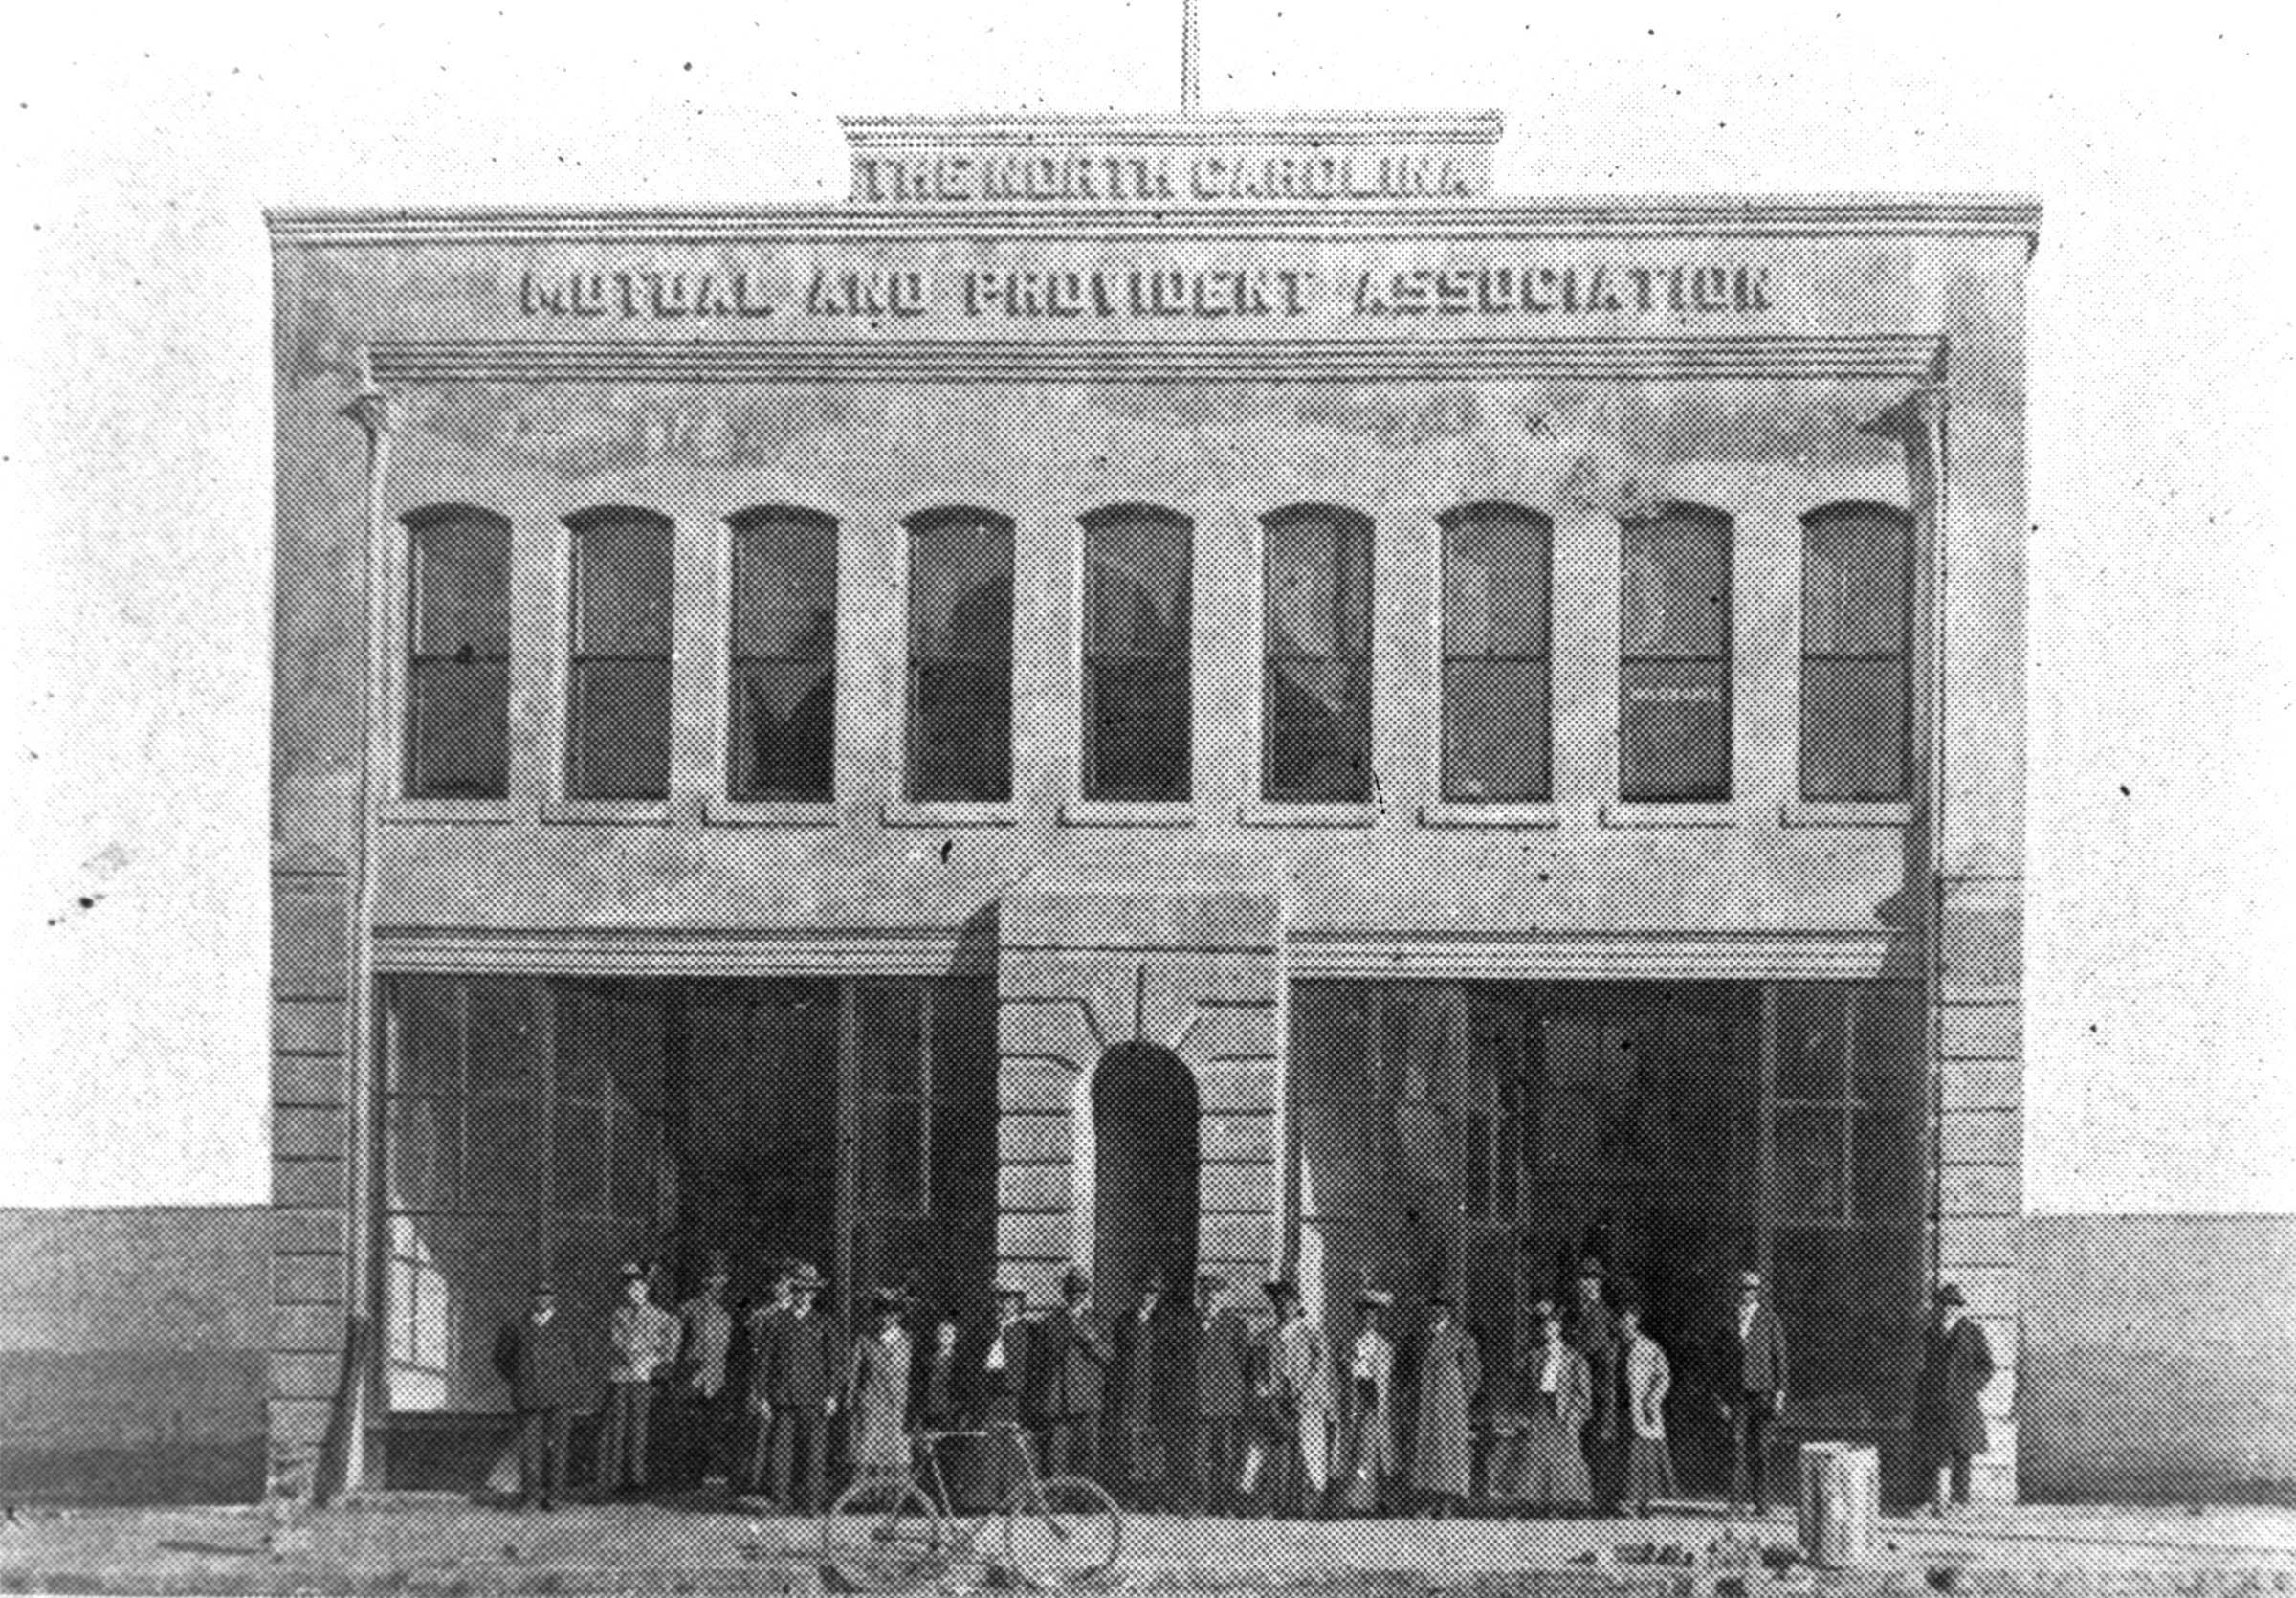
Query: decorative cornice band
{"x": 1904, "y": 356}
{"x": 1653, "y": 956}
{"x": 1434, "y": 222}
{"x": 1312, "y": 128}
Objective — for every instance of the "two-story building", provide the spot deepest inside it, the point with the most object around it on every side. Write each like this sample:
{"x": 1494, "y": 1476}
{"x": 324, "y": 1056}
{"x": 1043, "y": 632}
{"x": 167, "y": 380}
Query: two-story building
{"x": 1154, "y": 694}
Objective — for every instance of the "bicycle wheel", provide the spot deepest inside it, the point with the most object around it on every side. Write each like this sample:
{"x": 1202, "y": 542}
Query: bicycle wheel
{"x": 1064, "y": 1533}
{"x": 882, "y": 1536}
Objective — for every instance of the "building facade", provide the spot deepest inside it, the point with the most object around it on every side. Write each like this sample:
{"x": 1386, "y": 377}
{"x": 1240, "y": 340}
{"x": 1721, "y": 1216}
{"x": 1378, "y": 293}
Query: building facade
{"x": 1155, "y": 695}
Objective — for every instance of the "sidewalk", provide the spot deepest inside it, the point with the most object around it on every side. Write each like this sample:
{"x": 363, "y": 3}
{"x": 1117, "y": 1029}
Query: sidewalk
{"x": 422, "y": 1544}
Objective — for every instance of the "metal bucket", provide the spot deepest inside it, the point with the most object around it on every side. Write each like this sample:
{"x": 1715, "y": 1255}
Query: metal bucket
{"x": 1840, "y": 1497}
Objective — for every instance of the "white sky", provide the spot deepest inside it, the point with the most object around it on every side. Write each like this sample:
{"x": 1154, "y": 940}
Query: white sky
{"x": 134, "y": 346}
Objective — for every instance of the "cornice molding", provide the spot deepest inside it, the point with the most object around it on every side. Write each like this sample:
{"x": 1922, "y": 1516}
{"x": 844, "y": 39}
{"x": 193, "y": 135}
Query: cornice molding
{"x": 1593, "y": 217}
{"x": 873, "y": 132}
{"x": 1662, "y": 357}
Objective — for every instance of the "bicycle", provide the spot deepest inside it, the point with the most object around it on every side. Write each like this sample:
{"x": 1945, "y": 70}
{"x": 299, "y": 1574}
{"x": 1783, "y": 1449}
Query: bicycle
{"x": 888, "y": 1533}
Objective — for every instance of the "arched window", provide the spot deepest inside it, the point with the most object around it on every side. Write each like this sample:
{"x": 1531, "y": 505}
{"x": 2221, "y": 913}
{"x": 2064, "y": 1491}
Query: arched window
{"x": 1856, "y": 626}
{"x": 1497, "y": 686}
{"x": 1674, "y": 654}
{"x": 457, "y": 654}
{"x": 782, "y": 721}
{"x": 1137, "y": 569}
{"x": 618, "y": 684}
{"x": 1315, "y": 725}
{"x": 959, "y": 654}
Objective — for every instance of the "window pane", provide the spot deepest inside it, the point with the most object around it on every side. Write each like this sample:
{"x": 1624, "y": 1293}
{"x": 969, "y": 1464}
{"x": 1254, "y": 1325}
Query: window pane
{"x": 578, "y": 1158}
{"x": 1812, "y": 1182}
{"x": 424, "y": 1137}
{"x": 429, "y": 1055}
{"x": 961, "y": 730}
{"x": 1136, "y": 589}
{"x": 889, "y": 1031}
{"x": 462, "y": 589}
{"x": 783, "y": 729}
{"x": 1855, "y": 580}
{"x": 901, "y": 1185}
{"x": 1496, "y": 743}
{"x": 622, "y": 586}
{"x": 506, "y": 1161}
{"x": 505, "y": 1047}
{"x": 1137, "y": 728}
{"x": 618, "y": 745}
{"x": 1495, "y": 595}
{"x": 1674, "y": 731}
{"x": 1318, "y": 729}
{"x": 1853, "y": 729}
{"x": 1813, "y": 1042}
{"x": 582, "y": 1042}
{"x": 637, "y": 1164}
{"x": 960, "y": 599}
{"x": 458, "y": 729}
{"x": 1318, "y": 587}
{"x": 784, "y": 589}
{"x": 1676, "y": 588}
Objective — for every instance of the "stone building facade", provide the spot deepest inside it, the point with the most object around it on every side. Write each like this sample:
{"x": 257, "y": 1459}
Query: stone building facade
{"x": 1155, "y": 694}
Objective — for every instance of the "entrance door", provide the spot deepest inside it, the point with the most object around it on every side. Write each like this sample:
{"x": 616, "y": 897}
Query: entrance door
{"x": 1145, "y": 1199}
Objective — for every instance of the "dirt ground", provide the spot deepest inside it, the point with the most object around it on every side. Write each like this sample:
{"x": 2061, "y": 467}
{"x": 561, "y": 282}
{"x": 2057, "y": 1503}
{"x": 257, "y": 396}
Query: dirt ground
{"x": 420, "y": 1545}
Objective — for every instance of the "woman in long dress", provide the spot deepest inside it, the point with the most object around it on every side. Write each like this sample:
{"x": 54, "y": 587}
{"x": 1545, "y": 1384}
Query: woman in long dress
{"x": 1648, "y": 1470}
{"x": 1541, "y": 1467}
{"x": 1299, "y": 1382}
{"x": 1367, "y": 1453}
{"x": 878, "y": 1392}
{"x": 1443, "y": 1439}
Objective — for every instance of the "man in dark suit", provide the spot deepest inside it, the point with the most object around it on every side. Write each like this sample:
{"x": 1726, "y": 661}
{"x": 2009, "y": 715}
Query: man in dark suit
{"x": 802, "y": 1366}
{"x": 1753, "y": 1385}
{"x": 1594, "y": 1331}
{"x": 1214, "y": 1376}
{"x": 995, "y": 1386}
{"x": 1949, "y": 1410}
{"x": 537, "y": 1355}
{"x": 1143, "y": 1379}
{"x": 1069, "y": 1374}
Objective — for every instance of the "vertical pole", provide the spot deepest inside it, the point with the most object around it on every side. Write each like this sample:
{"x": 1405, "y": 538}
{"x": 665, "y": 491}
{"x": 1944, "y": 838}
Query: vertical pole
{"x": 849, "y": 1145}
{"x": 1191, "y": 90}
{"x": 355, "y": 1398}
{"x": 1765, "y": 1131}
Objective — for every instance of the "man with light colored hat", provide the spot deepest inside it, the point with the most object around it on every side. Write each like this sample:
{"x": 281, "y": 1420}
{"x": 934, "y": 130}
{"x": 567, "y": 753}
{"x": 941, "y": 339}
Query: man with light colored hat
{"x": 1754, "y": 1389}
{"x": 699, "y": 1389}
{"x": 638, "y": 1338}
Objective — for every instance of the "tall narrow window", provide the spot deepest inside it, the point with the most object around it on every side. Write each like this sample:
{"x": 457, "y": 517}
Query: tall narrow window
{"x": 1497, "y": 562}
{"x": 1857, "y": 622}
{"x": 618, "y": 706}
{"x": 1674, "y": 657}
{"x": 959, "y": 656}
{"x": 458, "y": 654}
{"x": 1136, "y": 654}
{"x": 785, "y": 642}
{"x": 1317, "y": 717}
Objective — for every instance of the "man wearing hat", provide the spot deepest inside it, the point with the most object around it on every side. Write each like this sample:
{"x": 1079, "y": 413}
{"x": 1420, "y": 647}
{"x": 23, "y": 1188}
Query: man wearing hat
{"x": 996, "y": 1383}
{"x": 1070, "y": 1373}
{"x": 1754, "y": 1389}
{"x": 698, "y": 1387}
{"x": 800, "y": 1368}
{"x": 1300, "y": 1383}
{"x": 536, "y": 1356}
{"x": 1214, "y": 1377}
{"x": 1143, "y": 1379}
{"x": 1594, "y": 1332}
{"x": 640, "y": 1337}
{"x": 1949, "y": 1410}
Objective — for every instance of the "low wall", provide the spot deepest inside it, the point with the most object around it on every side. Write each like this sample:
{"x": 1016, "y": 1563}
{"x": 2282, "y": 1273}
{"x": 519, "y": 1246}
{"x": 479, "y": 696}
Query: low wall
{"x": 2159, "y": 1359}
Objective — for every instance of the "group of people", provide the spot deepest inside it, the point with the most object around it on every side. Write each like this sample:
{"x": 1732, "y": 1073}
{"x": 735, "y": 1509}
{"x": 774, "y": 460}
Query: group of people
{"x": 1183, "y": 1407}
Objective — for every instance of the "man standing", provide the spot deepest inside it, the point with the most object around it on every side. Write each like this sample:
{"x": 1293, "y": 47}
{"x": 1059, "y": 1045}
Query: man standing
{"x": 1949, "y": 1410}
{"x": 996, "y": 1376}
{"x": 1754, "y": 1385}
{"x": 764, "y": 1329}
{"x": 1215, "y": 1377}
{"x": 802, "y": 1365}
{"x": 1142, "y": 1358}
{"x": 1299, "y": 1380}
{"x": 1070, "y": 1372}
{"x": 638, "y": 1338}
{"x": 1594, "y": 1333}
{"x": 705, "y": 1336}
{"x": 536, "y": 1356}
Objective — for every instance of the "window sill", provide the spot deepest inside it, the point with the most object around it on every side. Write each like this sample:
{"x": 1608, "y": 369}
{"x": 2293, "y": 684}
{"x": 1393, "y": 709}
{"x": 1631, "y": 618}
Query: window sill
{"x": 606, "y": 812}
{"x": 1471, "y": 814}
{"x": 1629, "y": 815}
{"x": 949, "y": 812}
{"x": 444, "y": 812}
{"x": 1127, "y": 812}
{"x": 1845, "y": 812}
{"x": 769, "y": 813}
{"x": 1269, "y": 813}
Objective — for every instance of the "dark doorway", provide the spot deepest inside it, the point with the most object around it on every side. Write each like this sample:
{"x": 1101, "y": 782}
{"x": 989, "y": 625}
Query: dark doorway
{"x": 1144, "y": 1139}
